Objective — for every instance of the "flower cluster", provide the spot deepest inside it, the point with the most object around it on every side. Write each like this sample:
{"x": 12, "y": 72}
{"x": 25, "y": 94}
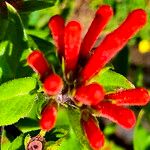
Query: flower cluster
{"x": 82, "y": 62}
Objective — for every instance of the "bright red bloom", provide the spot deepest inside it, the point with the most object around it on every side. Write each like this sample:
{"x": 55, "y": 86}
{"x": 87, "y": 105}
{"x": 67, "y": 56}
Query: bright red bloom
{"x": 135, "y": 97}
{"x": 68, "y": 42}
{"x": 102, "y": 16}
{"x": 92, "y": 131}
{"x": 91, "y": 94}
{"x": 118, "y": 114}
{"x": 48, "y": 117}
{"x": 57, "y": 25}
{"x": 53, "y": 84}
{"x": 72, "y": 40}
{"x": 113, "y": 43}
{"x": 38, "y": 63}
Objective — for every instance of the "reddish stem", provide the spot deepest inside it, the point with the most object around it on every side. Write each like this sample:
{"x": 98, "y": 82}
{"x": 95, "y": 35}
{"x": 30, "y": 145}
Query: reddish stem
{"x": 113, "y": 43}
{"x": 72, "y": 41}
{"x": 38, "y": 63}
{"x": 135, "y": 97}
{"x": 57, "y": 25}
{"x": 118, "y": 114}
{"x": 102, "y": 16}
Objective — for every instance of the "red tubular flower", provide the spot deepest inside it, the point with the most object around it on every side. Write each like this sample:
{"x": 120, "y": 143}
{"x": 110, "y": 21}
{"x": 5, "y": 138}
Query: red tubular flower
{"x": 38, "y": 63}
{"x": 90, "y": 95}
{"x": 120, "y": 115}
{"x": 92, "y": 131}
{"x": 68, "y": 40}
{"x": 57, "y": 25}
{"x": 135, "y": 97}
{"x": 102, "y": 16}
{"x": 72, "y": 41}
{"x": 53, "y": 84}
{"x": 113, "y": 42}
{"x": 48, "y": 117}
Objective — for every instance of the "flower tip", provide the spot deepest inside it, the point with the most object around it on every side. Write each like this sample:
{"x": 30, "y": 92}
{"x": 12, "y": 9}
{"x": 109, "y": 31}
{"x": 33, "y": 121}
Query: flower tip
{"x": 38, "y": 63}
{"x": 92, "y": 131}
{"x": 73, "y": 26}
{"x": 140, "y": 16}
{"x": 54, "y": 20}
{"x": 91, "y": 94}
{"x": 53, "y": 84}
{"x": 48, "y": 117}
{"x": 105, "y": 10}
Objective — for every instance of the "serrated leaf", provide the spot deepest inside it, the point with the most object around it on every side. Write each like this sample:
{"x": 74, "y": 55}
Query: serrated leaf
{"x": 16, "y": 99}
{"x": 13, "y": 47}
{"x": 111, "y": 80}
{"x": 32, "y": 5}
{"x": 18, "y": 143}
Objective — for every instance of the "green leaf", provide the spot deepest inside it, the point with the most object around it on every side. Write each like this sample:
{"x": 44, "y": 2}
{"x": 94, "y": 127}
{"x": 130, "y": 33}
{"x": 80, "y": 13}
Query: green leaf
{"x": 112, "y": 80}
{"x": 31, "y": 122}
{"x": 32, "y": 5}
{"x": 74, "y": 117}
{"x": 18, "y": 143}
{"x": 16, "y": 99}
{"x": 141, "y": 139}
{"x": 5, "y": 140}
{"x": 13, "y": 47}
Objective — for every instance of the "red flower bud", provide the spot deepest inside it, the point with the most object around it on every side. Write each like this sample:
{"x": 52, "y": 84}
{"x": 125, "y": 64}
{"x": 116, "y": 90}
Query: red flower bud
{"x": 92, "y": 131}
{"x": 113, "y": 42}
{"x": 118, "y": 114}
{"x": 91, "y": 94}
{"x": 38, "y": 63}
{"x": 53, "y": 84}
{"x": 102, "y": 16}
{"x": 138, "y": 96}
{"x": 57, "y": 25}
{"x": 72, "y": 41}
{"x": 48, "y": 117}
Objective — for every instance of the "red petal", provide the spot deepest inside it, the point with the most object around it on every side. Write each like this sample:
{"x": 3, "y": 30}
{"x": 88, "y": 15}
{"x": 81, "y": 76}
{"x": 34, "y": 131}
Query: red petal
{"x": 90, "y": 95}
{"x": 102, "y": 16}
{"x": 113, "y": 43}
{"x": 72, "y": 44}
{"x": 93, "y": 132}
{"x": 48, "y": 117}
{"x": 120, "y": 115}
{"x": 53, "y": 84}
{"x": 56, "y": 25}
{"x": 38, "y": 63}
{"x": 138, "y": 96}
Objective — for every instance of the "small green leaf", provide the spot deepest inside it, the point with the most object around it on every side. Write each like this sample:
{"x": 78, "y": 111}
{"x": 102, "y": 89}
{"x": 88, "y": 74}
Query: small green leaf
{"x": 112, "y": 80}
{"x": 16, "y": 99}
{"x": 18, "y": 143}
{"x": 74, "y": 117}
{"x": 32, "y": 5}
{"x": 141, "y": 139}
{"x": 5, "y": 139}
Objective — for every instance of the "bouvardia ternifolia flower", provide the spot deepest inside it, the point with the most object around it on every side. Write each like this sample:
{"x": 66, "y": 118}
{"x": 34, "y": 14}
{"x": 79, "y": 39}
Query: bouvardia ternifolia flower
{"x": 81, "y": 65}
